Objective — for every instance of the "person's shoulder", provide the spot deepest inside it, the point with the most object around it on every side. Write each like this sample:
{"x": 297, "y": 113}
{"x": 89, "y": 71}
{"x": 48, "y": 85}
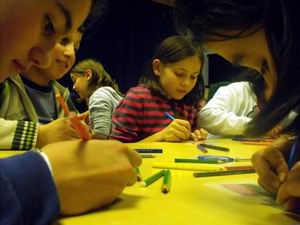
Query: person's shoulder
{"x": 140, "y": 90}
{"x": 235, "y": 87}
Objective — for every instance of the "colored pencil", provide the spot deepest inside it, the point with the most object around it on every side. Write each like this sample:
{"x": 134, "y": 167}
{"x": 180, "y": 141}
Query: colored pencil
{"x": 150, "y": 150}
{"x": 169, "y": 116}
{"x": 138, "y": 174}
{"x": 166, "y": 186}
{"x": 222, "y": 173}
{"x": 188, "y": 166}
{"x": 293, "y": 155}
{"x": 153, "y": 178}
{"x": 214, "y": 147}
{"x": 208, "y": 161}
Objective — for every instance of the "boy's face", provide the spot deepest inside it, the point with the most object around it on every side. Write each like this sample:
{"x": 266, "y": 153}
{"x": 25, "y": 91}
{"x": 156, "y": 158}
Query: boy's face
{"x": 30, "y": 29}
{"x": 62, "y": 59}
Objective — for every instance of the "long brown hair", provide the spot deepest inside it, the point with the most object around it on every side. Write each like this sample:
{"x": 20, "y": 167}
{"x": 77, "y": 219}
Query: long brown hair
{"x": 100, "y": 78}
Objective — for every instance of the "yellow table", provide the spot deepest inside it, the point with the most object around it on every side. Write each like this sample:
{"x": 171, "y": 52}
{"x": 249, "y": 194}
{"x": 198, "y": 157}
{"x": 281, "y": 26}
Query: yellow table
{"x": 192, "y": 200}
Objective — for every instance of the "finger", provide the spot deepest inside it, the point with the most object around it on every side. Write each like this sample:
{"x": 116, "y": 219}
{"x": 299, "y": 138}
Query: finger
{"x": 277, "y": 162}
{"x": 194, "y": 136}
{"x": 269, "y": 186}
{"x": 184, "y": 123}
{"x": 267, "y": 178}
{"x": 181, "y": 133}
{"x": 132, "y": 178}
{"x": 134, "y": 158}
{"x": 290, "y": 188}
{"x": 203, "y": 134}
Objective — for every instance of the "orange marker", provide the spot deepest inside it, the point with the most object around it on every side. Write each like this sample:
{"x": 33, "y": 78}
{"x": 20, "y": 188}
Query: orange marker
{"x": 62, "y": 103}
{"x": 76, "y": 123}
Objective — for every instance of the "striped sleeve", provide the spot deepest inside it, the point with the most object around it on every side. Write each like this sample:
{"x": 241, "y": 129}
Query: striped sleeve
{"x": 18, "y": 135}
{"x": 127, "y": 117}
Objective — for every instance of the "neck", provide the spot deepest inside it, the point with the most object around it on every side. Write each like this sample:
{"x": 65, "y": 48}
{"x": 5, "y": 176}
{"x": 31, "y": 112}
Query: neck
{"x": 36, "y": 77}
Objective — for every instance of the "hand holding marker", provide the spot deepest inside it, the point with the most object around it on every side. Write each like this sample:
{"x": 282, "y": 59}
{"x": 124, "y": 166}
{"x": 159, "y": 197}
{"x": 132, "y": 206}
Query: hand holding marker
{"x": 75, "y": 121}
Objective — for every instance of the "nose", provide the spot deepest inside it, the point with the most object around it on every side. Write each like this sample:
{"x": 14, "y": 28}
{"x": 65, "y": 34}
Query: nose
{"x": 40, "y": 55}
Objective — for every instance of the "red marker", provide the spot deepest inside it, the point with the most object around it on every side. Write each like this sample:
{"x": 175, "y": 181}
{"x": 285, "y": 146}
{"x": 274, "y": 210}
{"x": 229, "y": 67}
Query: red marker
{"x": 76, "y": 123}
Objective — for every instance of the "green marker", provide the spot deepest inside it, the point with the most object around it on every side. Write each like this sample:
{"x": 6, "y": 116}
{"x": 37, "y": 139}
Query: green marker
{"x": 166, "y": 182}
{"x": 153, "y": 178}
{"x": 222, "y": 173}
{"x": 209, "y": 161}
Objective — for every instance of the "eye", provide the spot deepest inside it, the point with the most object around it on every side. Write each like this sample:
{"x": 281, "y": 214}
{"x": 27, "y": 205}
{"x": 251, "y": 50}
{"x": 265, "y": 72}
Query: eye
{"x": 49, "y": 27}
{"x": 65, "y": 41}
{"x": 178, "y": 74}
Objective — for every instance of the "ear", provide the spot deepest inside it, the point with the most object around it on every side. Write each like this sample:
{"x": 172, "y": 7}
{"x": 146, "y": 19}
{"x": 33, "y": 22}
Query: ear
{"x": 88, "y": 73}
{"x": 156, "y": 65}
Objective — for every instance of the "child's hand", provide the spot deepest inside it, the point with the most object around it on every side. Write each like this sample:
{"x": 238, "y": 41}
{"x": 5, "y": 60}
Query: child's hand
{"x": 199, "y": 134}
{"x": 289, "y": 191}
{"x": 178, "y": 130}
{"x": 270, "y": 164}
{"x": 57, "y": 130}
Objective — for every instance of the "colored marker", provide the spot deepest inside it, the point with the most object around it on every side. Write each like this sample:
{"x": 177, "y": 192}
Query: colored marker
{"x": 208, "y": 161}
{"x": 215, "y": 147}
{"x": 153, "y": 178}
{"x": 223, "y": 158}
{"x": 81, "y": 130}
{"x": 201, "y": 148}
{"x": 148, "y": 150}
{"x": 166, "y": 186}
{"x": 169, "y": 116}
{"x": 62, "y": 103}
{"x": 293, "y": 155}
{"x": 222, "y": 173}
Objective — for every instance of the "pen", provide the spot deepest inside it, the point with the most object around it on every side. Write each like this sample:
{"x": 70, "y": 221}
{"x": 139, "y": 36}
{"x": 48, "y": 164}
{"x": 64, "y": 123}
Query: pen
{"x": 215, "y": 147}
{"x": 293, "y": 154}
{"x": 222, "y": 173}
{"x": 208, "y": 161}
{"x": 153, "y": 178}
{"x": 62, "y": 103}
{"x": 148, "y": 150}
{"x": 166, "y": 186}
{"x": 76, "y": 123}
{"x": 169, "y": 116}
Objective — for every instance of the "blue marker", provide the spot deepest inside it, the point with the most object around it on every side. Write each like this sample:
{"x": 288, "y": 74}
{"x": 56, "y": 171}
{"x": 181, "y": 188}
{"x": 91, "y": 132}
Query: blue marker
{"x": 293, "y": 155}
{"x": 169, "y": 116}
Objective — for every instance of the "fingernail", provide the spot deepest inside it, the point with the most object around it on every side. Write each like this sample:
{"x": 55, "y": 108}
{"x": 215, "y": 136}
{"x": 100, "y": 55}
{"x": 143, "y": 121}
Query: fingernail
{"x": 282, "y": 177}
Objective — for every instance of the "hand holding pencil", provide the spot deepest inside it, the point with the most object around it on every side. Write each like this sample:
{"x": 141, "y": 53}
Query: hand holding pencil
{"x": 271, "y": 165}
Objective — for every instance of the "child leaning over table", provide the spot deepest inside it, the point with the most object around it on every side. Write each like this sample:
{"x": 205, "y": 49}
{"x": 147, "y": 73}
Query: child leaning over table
{"x": 172, "y": 84}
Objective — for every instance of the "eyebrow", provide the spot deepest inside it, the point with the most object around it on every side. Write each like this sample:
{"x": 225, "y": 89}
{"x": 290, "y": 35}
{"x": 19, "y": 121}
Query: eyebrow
{"x": 67, "y": 15}
{"x": 188, "y": 71}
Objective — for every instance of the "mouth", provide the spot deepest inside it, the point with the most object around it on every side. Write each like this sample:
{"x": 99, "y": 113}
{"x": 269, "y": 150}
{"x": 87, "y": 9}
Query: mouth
{"x": 62, "y": 63}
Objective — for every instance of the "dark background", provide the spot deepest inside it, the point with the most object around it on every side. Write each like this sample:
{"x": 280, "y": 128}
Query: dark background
{"x": 127, "y": 37}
